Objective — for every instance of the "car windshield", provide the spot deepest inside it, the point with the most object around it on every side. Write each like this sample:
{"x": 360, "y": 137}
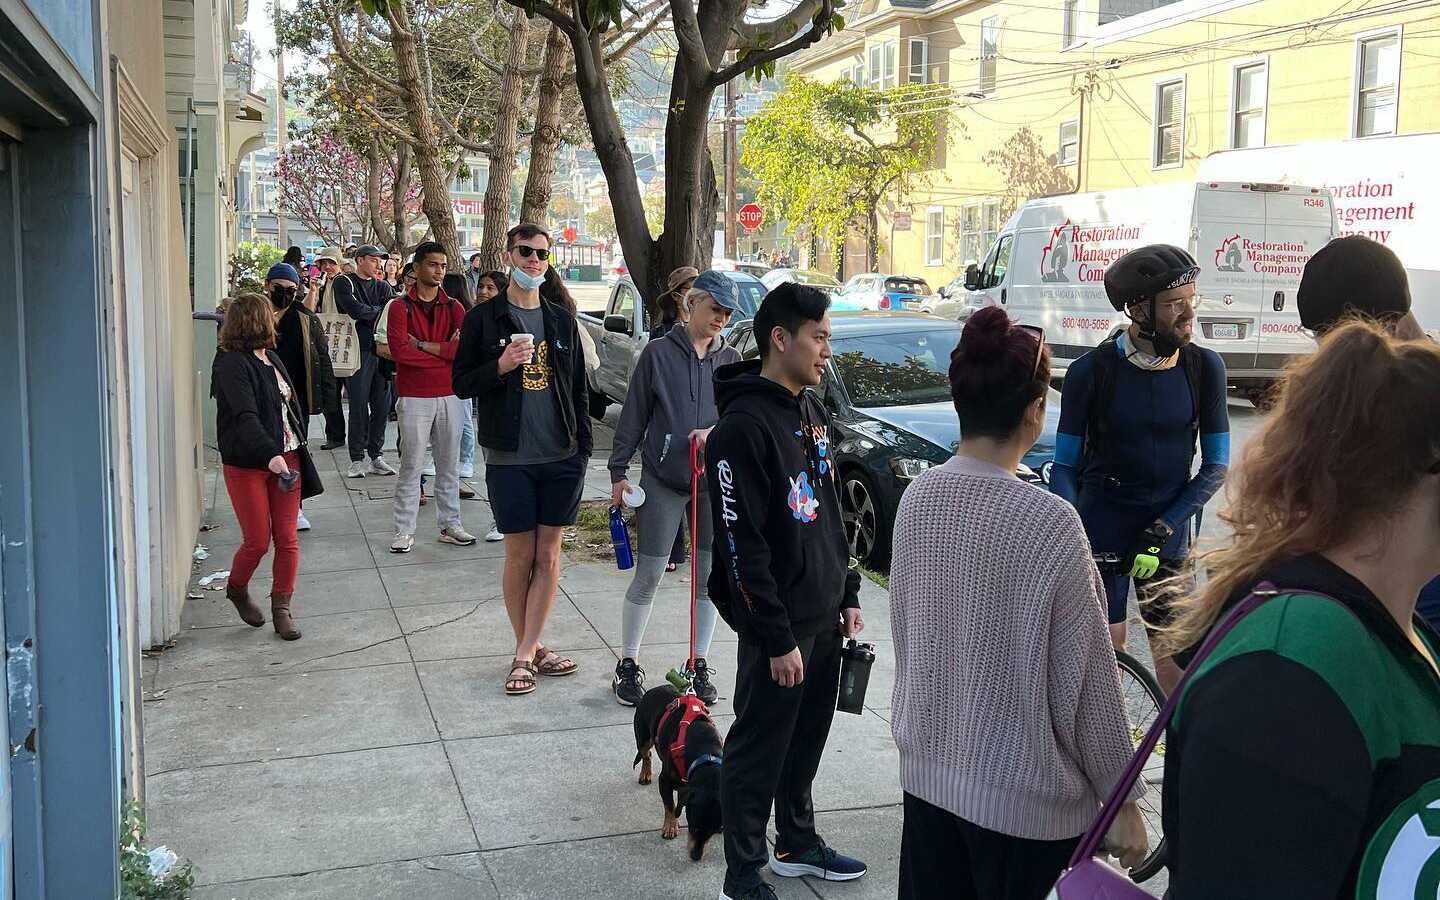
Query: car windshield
{"x": 907, "y": 285}
{"x": 896, "y": 369}
{"x": 751, "y": 293}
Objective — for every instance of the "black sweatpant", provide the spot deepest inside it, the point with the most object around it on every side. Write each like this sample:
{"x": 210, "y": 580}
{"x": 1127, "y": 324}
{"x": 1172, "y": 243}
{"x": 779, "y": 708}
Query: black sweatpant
{"x": 944, "y": 857}
{"x": 334, "y": 415}
{"x": 772, "y": 752}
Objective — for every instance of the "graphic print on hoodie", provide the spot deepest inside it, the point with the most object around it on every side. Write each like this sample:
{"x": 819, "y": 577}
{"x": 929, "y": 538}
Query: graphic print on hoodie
{"x": 785, "y": 571}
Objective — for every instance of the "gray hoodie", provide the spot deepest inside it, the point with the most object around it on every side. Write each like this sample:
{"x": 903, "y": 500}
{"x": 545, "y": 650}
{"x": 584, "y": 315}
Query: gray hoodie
{"x": 672, "y": 393}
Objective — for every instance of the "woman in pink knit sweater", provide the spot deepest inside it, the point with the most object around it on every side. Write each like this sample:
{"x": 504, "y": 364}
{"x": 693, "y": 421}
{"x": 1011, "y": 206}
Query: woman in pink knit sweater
{"x": 1007, "y": 707}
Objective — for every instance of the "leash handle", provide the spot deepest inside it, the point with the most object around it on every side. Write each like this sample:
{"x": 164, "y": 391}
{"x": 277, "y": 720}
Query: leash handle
{"x": 697, "y": 468}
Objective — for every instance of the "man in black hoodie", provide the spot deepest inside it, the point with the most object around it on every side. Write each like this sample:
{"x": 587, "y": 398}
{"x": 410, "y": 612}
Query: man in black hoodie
{"x": 784, "y": 583}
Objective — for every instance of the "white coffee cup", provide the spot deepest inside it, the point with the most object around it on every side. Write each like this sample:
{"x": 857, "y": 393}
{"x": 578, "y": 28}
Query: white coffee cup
{"x": 634, "y": 496}
{"x": 522, "y": 337}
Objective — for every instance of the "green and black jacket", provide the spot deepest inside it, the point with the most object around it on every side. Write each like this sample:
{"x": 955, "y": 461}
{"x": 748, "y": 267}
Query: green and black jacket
{"x": 1304, "y": 759}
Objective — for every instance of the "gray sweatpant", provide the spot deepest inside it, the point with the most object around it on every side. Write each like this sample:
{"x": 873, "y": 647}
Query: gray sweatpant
{"x": 436, "y": 421}
{"x": 663, "y": 511}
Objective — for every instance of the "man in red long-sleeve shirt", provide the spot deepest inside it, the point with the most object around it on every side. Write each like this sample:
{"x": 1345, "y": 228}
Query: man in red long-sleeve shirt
{"x": 424, "y": 332}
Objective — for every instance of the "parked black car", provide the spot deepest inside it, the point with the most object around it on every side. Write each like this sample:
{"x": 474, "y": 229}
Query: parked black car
{"x": 888, "y": 390}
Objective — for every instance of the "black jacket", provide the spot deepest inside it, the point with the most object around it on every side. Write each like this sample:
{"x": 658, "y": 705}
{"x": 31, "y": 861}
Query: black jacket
{"x": 363, "y": 299}
{"x": 782, "y": 570}
{"x": 476, "y": 373}
{"x": 300, "y": 343}
{"x": 248, "y": 409}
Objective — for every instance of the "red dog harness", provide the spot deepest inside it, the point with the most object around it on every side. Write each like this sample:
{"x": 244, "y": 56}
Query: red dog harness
{"x": 693, "y": 709}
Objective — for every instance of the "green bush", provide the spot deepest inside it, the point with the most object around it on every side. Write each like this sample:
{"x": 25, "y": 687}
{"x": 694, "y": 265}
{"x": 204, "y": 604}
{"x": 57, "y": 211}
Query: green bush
{"x": 154, "y": 874}
{"x": 249, "y": 263}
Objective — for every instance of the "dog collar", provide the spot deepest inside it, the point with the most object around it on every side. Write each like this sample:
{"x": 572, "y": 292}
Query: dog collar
{"x": 705, "y": 760}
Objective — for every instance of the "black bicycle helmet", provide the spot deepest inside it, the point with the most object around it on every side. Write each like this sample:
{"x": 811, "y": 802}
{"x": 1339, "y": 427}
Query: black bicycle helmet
{"x": 1146, "y": 271}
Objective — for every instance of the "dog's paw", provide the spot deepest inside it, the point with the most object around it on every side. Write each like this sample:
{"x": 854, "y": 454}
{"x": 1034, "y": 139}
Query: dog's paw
{"x": 645, "y": 778}
{"x": 671, "y": 829}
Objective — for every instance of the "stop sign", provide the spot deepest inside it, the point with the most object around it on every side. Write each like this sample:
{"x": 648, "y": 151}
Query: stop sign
{"x": 568, "y": 234}
{"x": 751, "y": 215}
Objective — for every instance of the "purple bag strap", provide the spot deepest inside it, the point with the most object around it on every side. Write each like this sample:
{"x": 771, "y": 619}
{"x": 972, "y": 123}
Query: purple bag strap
{"x": 1090, "y": 841}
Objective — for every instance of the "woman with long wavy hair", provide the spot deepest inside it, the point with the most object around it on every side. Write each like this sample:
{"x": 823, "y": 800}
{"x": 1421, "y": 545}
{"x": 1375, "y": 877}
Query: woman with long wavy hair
{"x": 1304, "y": 758}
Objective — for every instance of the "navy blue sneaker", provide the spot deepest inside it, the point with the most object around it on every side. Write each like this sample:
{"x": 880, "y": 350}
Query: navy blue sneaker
{"x": 819, "y": 861}
{"x": 761, "y": 891}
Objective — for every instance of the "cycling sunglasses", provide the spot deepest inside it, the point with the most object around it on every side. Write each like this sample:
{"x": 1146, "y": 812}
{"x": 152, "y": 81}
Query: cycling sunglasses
{"x": 1039, "y": 334}
{"x": 527, "y": 252}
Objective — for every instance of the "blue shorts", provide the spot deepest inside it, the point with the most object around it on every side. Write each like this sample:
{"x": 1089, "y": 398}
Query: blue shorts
{"x": 525, "y": 496}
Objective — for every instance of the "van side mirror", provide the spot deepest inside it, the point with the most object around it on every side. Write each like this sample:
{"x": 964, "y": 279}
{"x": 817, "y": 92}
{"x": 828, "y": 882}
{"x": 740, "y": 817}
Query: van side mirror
{"x": 972, "y": 277}
{"x": 618, "y": 324}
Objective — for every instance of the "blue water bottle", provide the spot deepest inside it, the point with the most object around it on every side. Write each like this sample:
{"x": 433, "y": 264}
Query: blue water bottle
{"x": 620, "y": 539}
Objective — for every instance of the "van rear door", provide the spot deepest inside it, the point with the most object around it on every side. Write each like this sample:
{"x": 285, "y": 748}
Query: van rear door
{"x": 1229, "y": 218}
{"x": 1298, "y": 222}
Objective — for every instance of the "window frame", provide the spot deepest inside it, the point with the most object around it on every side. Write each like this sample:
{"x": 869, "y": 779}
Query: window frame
{"x": 990, "y": 61}
{"x": 890, "y": 64}
{"x": 1069, "y": 23}
{"x": 874, "y": 63}
{"x": 924, "y": 45}
{"x": 1060, "y": 143}
{"x": 935, "y": 256}
{"x": 1159, "y": 86}
{"x": 1262, "y": 63}
{"x": 1397, "y": 32}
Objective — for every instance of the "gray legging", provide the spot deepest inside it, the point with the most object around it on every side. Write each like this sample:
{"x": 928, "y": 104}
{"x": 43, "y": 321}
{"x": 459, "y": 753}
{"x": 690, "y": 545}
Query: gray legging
{"x": 657, "y": 520}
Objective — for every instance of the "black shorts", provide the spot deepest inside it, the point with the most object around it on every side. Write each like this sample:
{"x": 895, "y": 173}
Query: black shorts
{"x": 1154, "y": 604}
{"x": 524, "y": 496}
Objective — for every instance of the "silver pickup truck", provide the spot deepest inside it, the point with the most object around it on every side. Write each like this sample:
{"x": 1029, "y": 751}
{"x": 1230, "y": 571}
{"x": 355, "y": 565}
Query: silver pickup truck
{"x": 623, "y": 330}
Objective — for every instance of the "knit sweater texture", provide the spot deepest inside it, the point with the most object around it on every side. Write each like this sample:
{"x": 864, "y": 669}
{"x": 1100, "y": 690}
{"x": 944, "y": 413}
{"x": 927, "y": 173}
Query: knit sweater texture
{"x": 1007, "y": 707}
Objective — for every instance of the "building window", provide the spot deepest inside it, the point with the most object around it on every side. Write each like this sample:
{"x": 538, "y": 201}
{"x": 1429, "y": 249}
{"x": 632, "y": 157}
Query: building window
{"x": 979, "y": 223}
{"x": 1169, "y": 123}
{"x": 892, "y": 65}
{"x": 1247, "y": 117}
{"x": 989, "y": 52}
{"x": 935, "y": 236}
{"x": 1377, "y": 61}
{"x": 1070, "y": 9}
{"x": 1069, "y": 143}
{"x": 876, "y": 54}
{"x": 919, "y": 61}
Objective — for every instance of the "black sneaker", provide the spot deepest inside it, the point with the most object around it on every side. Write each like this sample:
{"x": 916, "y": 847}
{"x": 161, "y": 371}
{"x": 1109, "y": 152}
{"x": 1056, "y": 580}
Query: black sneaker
{"x": 629, "y": 683}
{"x": 819, "y": 861}
{"x": 701, "y": 682}
{"x": 761, "y": 891}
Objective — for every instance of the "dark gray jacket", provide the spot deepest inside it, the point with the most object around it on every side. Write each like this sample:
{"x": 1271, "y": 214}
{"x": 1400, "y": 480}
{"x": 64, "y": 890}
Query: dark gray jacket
{"x": 671, "y": 393}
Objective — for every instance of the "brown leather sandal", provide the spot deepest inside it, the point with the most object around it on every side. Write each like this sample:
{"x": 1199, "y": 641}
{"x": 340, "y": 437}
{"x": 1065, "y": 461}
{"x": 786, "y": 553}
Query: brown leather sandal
{"x": 553, "y": 665}
{"x": 516, "y": 686}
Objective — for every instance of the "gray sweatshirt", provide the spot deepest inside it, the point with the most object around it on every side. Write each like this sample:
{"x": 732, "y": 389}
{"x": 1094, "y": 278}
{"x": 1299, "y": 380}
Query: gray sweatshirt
{"x": 672, "y": 393}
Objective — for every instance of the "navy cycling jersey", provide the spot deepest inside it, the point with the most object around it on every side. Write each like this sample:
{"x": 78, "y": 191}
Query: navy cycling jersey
{"x": 1144, "y": 472}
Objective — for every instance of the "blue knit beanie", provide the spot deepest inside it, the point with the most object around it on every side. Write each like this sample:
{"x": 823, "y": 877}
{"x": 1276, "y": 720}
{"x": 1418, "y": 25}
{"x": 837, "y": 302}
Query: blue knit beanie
{"x": 283, "y": 271}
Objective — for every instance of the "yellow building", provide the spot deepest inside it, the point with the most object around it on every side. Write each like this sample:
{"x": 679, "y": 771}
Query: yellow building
{"x": 1117, "y": 93}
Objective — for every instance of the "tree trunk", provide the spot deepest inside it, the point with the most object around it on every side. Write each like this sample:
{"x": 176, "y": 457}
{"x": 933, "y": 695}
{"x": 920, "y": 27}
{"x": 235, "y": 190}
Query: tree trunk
{"x": 378, "y": 225}
{"x": 549, "y": 106}
{"x": 872, "y": 236}
{"x": 399, "y": 191}
{"x": 502, "y": 148}
{"x": 690, "y": 195}
{"x": 434, "y": 187}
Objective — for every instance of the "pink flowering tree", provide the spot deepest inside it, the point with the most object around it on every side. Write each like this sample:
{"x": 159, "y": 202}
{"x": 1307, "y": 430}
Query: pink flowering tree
{"x": 322, "y": 183}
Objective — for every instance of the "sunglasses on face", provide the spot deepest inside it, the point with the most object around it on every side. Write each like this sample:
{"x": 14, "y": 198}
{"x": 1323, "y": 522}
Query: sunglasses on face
{"x": 526, "y": 252}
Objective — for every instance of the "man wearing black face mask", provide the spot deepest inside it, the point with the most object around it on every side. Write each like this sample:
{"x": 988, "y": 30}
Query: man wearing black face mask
{"x": 300, "y": 342}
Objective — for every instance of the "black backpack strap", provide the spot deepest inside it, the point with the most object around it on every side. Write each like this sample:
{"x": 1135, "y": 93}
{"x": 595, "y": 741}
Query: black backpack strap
{"x": 1102, "y": 396}
{"x": 1193, "y": 360}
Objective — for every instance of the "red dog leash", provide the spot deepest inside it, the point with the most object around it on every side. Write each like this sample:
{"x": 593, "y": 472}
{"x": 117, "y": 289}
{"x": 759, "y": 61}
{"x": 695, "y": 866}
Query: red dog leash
{"x": 697, "y": 468}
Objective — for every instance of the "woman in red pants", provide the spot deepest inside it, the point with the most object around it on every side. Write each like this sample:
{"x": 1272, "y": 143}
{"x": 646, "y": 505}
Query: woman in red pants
{"x": 257, "y": 423}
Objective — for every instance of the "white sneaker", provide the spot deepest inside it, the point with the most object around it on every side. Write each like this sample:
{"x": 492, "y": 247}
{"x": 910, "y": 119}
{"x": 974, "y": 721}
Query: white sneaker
{"x": 357, "y": 469}
{"x": 467, "y": 472}
{"x": 456, "y": 535}
{"x": 403, "y": 543}
{"x": 494, "y": 535}
{"x": 379, "y": 466}
{"x": 302, "y": 523}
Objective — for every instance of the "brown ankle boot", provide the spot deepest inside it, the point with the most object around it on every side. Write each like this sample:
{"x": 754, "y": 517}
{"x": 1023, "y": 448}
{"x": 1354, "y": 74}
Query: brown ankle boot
{"x": 249, "y": 612}
{"x": 280, "y": 612}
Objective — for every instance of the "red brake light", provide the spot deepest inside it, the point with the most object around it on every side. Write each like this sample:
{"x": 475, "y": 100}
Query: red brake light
{"x": 884, "y": 302}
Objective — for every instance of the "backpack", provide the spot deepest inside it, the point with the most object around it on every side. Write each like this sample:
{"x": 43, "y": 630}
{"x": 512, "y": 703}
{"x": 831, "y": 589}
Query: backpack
{"x": 1102, "y": 395}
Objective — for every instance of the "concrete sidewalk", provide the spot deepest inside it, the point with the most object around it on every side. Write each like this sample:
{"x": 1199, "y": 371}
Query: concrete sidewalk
{"x": 378, "y": 757}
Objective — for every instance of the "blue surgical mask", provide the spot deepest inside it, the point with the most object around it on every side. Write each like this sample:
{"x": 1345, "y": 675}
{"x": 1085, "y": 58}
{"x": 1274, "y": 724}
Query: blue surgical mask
{"x": 525, "y": 280}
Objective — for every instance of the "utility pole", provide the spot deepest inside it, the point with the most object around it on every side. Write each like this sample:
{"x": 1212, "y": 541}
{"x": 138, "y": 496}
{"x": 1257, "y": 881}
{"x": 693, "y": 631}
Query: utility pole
{"x": 732, "y": 227}
{"x": 281, "y": 227}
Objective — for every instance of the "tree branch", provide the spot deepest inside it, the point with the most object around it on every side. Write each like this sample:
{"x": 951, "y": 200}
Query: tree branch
{"x": 741, "y": 66}
{"x": 692, "y": 42}
{"x": 550, "y": 12}
{"x": 342, "y": 47}
{"x": 634, "y": 39}
{"x": 385, "y": 124}
{"x": 771, "y": 32}
{"x": 454, "y": 133}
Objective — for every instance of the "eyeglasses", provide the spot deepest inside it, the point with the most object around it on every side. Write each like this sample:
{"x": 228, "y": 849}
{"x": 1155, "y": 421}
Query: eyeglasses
{"x": 1039, "y": 335}
{"x": 528, "y": 252}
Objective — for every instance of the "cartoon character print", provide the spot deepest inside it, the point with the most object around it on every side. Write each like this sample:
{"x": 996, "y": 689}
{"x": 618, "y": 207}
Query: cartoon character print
{"x": 802, "y": 502}
{"x": 535, "y": 375}
{"x": 820, "y": 437}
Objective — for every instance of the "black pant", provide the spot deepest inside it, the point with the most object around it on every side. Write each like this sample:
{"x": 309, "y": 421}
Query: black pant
{"x": 369, "y": 408}
{"x": 772, "y": 753}
{"x": 944, "y": 857}
{"x": 677, "y": 549}
{"x": 334, "y": 415}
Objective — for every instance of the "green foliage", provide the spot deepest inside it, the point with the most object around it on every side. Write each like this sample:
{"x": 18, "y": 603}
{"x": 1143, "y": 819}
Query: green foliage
{"x": 156, "y": 874}
{"x": 249, "y": 263}
{"x": 826, "y": 153}
{"x": 654, "y": 203}
{"x": 600, "y": 222}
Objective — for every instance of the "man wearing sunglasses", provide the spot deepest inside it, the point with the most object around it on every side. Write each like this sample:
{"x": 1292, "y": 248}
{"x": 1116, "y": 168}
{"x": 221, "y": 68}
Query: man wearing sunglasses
{"x": 1132, "y": 412}
{"x": 520, "y": 358}
{"x": 300, "y": 343}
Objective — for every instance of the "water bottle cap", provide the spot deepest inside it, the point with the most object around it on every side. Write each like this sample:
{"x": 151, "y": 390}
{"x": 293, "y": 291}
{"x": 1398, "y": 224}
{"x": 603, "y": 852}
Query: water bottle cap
{"x": 634, "y": 497}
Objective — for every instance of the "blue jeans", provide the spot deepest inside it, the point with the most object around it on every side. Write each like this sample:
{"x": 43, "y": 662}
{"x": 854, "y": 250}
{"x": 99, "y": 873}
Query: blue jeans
{"x": 467, "y": 443}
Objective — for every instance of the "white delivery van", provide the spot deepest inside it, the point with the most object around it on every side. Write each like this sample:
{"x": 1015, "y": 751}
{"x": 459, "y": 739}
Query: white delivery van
{"x": 1251, "y": 240}
{"x": 1386, "y": 188}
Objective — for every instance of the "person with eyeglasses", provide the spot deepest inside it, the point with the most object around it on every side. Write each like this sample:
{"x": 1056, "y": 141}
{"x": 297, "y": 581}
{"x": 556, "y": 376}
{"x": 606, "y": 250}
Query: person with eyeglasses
{"x": 520, "y": 357}
{"x": 300, "y": 343}
{"x": 1132, "y": 412}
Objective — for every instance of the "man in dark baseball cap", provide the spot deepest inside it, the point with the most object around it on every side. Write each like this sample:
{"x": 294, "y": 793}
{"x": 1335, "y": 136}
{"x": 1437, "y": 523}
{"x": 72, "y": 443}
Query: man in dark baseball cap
{"x": 371, "y": 250}
{"x": 1355, "y": 276}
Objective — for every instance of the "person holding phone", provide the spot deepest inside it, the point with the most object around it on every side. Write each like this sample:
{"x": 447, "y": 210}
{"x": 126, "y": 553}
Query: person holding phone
{"x": 259, "y": 431}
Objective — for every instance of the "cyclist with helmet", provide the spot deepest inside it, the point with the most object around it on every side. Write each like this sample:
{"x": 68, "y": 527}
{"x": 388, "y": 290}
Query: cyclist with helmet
{"x": 1132, "y": 412}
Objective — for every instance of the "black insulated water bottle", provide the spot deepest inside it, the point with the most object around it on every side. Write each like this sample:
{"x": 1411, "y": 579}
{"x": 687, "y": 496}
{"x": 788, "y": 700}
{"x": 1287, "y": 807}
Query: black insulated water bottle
{"x": 855, "y": 662}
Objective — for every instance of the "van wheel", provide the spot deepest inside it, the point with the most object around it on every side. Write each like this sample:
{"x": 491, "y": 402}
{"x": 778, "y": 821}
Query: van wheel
{"x": 1261, "y": 396}
{"x": 598, "y": 404}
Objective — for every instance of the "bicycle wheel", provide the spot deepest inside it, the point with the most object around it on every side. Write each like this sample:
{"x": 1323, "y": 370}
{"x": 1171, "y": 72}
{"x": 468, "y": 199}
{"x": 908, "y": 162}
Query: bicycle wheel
{"x": 1143, "y": 700}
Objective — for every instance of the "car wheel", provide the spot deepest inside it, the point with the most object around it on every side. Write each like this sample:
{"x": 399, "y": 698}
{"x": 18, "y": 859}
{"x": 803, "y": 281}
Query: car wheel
{"x": 598, "y": 404}
{"x": 867, "y": 528}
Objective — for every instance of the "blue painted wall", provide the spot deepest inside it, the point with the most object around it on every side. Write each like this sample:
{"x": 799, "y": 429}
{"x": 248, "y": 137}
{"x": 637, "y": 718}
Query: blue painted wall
{"x": 72, "y": 24}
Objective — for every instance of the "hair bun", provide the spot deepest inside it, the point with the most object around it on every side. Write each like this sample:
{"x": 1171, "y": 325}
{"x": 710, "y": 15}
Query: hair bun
{"x": 985, "y": 333}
